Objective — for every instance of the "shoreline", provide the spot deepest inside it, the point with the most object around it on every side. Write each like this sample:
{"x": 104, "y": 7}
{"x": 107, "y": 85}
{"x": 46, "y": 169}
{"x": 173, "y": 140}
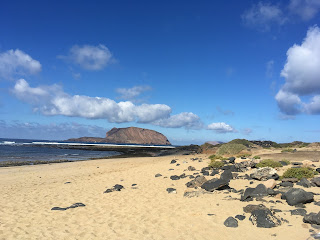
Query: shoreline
{"x": 125, "y": 151}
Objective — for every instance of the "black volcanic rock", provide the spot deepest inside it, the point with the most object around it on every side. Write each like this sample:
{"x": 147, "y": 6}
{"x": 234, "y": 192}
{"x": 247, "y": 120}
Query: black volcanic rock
{"x": 296, "y": 196}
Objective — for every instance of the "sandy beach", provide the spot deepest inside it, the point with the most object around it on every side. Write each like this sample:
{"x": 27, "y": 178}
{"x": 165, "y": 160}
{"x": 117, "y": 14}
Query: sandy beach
{"x": 143, "y": 211}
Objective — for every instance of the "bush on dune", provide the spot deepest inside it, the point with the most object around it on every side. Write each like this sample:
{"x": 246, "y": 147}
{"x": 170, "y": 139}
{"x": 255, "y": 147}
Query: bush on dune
{"x": 299, "y": 173}
{"x": 216, "y": 164}
{"x": 244, "y": 142}
{"x": 230, "y": 149}
{"x": 269, "y": 163}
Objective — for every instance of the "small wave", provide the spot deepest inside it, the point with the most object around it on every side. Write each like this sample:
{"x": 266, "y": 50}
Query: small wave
{"x": 7, "y": 143}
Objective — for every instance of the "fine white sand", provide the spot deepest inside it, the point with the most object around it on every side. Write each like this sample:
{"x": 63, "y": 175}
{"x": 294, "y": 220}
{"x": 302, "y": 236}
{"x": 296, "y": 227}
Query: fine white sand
{"x": 28, "y": 193}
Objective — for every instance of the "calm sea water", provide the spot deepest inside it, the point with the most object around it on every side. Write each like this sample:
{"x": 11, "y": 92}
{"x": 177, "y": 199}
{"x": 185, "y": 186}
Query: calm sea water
{"x": 26, "y": 150}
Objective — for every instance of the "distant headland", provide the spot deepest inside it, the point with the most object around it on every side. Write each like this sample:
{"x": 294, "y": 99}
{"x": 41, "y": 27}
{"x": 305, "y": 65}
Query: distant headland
{"x": 130, "y": 135}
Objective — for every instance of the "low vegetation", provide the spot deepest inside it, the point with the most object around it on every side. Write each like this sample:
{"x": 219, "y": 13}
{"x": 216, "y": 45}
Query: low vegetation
{"x": 256, "y": 157}
{"x": 287, "y": 150}
{"x": 269, "y": 163}
{"x": 230, "y": 149}
{"x": 244, "y": 142}
{"x": 216, "y": 164}
{"x": 214, "y": 157}
{"x": 299, "y": 173}
{"x": 246, "y": 155}
{"x": 286, "y": 161}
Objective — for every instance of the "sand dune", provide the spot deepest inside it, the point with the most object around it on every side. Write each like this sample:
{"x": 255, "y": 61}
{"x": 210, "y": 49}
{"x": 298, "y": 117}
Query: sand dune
{"x": 148, "y": 212}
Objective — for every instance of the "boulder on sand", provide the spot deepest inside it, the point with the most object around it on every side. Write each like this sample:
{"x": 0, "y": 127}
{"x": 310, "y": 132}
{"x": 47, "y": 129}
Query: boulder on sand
{"x": 215, "y": 184}
{"x": 312, "y": 218}
{"x": 264, "y": 218}
{"x": 259, "y": 191}
{"x": 263, "y": 173}
{"x": 197, "y": 182}
{"x": 242, "y": 165}
{"x": 297, "y": 195}
{"x": 231, "y": 222}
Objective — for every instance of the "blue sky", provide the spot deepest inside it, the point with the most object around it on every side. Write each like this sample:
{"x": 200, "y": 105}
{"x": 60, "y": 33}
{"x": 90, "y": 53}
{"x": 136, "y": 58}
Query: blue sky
{"x": 193, "y": 71}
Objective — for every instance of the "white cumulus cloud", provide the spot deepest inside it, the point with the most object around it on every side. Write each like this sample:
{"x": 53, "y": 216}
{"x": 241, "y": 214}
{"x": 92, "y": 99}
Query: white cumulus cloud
{"x": 221, "y": 127}
{"x": 263, "y": 15}
{"x": 302, "y": 69}
{"x": 302, "y": 76}
{"x": 188, "y": 120}
{"x": 17, "y": 63}
{"x": 52, "y": 100}
{"x": 90, "y": 57}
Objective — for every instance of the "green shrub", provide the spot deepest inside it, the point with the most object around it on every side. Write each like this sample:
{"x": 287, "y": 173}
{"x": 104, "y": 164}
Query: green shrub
{"x": 216, "y": 164}
{"x": 256, "y": 157}
{"x": 287, "y": 150}
{"x": 269, "y": 163}
{"x": 299, "y": 173}
{"x": 230, "y": 149}
{"x": 244, "y": 142}
{"x": 214, "y": 157}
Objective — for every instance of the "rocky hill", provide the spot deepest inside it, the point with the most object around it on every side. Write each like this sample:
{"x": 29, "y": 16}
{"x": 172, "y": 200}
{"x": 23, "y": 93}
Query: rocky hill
{"x": 136, "y": 135}
{"x": 130, "y": 135}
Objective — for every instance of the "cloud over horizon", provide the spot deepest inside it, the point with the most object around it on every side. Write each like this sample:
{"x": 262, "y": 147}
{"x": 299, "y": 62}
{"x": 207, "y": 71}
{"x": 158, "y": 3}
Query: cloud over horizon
{"x": 52, "y": 100}
{"x": 302, "y": 76}
{"x": 90, "y": 57}
{"x": 188, "y": 120}
{"x": 52, "y": 131}
{"x": 17, "y": 63}
{"x": 221, "y": 127}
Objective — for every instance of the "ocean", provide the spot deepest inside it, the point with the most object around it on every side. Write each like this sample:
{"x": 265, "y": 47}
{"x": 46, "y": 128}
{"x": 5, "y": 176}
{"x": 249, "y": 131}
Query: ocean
{"x": 42, "y": 150}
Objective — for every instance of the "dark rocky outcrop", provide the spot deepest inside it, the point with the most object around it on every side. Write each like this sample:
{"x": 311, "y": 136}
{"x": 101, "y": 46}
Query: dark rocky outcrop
{"x": 215, "y": 184}
{"x": 264, "y": 218}
{"x": 174, "y": 177}
{"x": 226, "y": 175}
{"x": 264, "y": 173}
{"x": 299, "y": 211}
{"x": 259, "y": 191}
{"x": 197, "y": 182}
{"x": 316, "y": 181}
{"x": 171, "y": 190}
{"x": 75, "y": 205}
{"x": 304, "y": 183}
{"x": 116, "y": 187}
{"x": 296, "y": 196}
{"x": 240, "y": 217}
{"x": 231, "y": 222}
{"x": 312, "y": 218}
{"x": 286, "y": 184}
